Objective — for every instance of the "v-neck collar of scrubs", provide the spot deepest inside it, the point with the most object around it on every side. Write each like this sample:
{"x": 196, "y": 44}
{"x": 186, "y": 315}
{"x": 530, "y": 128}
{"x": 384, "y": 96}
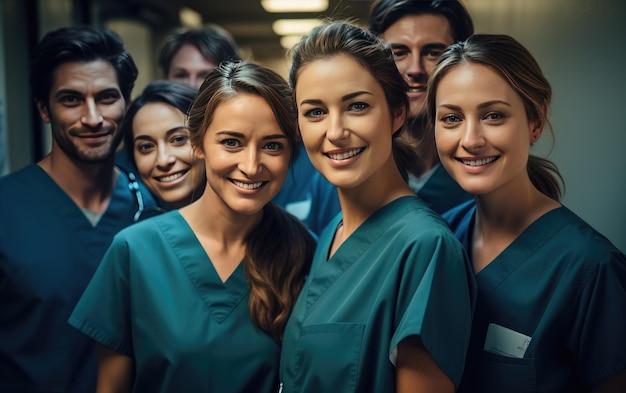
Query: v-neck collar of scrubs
{"x": 220, "y": 297}
{"x": 117, "y": 215}
{"x": 325, "y": 271}
{"x": 521, "y": 249}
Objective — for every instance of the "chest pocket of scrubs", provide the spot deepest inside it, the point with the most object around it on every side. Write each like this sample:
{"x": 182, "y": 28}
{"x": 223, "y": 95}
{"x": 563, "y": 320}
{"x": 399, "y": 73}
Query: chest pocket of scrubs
{"x": 499, "y": 374}
{"x": 327, "y": 358}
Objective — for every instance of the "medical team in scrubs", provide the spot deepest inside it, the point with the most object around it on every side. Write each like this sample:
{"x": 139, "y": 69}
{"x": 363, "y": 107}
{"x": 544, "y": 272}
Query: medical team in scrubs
{"x": 387, "y": 306}
{"x": 551, "y": 308}
{"x": 156, "y": 142}
{"x": 417, "y": 32}
{"x": 197, "y": 299}
{"x": 59, "y": 215}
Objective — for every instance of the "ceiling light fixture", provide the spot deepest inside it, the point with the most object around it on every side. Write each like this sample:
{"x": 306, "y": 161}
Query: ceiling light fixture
{"x": 294, "y": 26}
{"x": 189, "y": 17}
{"x": 294, "y": 6}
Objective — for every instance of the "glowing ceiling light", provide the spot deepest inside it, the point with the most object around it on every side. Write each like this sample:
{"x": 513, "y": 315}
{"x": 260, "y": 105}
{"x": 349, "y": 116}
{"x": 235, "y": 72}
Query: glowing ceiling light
{"x": 294, "y": 26}
{"x": 294, "y": 6}
{"x": 189, "y": 17}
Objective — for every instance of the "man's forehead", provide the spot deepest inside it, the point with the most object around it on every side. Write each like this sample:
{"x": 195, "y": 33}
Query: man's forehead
{"x": 94, "y": 74}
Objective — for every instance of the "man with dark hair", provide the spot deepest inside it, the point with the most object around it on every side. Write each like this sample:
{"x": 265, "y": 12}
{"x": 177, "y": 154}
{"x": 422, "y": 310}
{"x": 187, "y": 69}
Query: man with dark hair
{"x": 417, "y": 33}
{"x": 58, "y": 216}
{"x": 189, "y": 54}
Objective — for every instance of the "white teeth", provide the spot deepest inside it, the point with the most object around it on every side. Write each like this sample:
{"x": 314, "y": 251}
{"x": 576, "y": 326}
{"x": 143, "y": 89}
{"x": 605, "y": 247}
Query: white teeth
{"x": 165, "y": 179}
{"x": 247, "y": 186}
{"x": 343, "y": 156}
{"x": 479, "y": 162}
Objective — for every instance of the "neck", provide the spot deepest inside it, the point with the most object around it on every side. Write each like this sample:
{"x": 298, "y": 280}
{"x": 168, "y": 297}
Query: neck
{"x": 89, "y": 185}
{"x": 511, "y": 211}
{"x": 502, "y": 216}
{"x": 210, "y": 218}
{"x": 359, "y": 203}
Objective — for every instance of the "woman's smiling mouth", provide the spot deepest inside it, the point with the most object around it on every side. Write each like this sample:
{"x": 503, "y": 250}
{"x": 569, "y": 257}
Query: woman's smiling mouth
{"x": 345, "y": 155}
{"x": 482, "y": 162}
{"x": 247, "y": 186}
{"x": 171, "y": 178}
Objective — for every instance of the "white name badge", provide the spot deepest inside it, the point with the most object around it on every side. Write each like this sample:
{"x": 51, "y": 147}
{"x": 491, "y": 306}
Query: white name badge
{"x": 506, "y": 342}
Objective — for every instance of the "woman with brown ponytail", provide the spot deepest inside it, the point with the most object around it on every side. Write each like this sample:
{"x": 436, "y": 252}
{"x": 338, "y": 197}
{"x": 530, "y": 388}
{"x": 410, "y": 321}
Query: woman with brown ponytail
{"x": 196, "y": 300}
{"x": 551, "y": 308}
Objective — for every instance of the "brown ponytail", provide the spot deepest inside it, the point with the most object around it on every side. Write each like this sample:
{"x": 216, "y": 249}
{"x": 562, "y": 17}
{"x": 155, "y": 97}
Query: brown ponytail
{"x": 279, "y": 254}
{"x": 545, "y": 175}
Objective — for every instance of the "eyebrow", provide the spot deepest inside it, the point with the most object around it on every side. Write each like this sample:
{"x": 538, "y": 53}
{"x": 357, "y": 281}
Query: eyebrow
{"x": 343, "y": 99}
{"x": 241, "y": 135}
{"x": 168, "y": 132}
{"x": 434, "y": 45}
{"x": 480, "y": 106}
{"x": 76, "y": 92}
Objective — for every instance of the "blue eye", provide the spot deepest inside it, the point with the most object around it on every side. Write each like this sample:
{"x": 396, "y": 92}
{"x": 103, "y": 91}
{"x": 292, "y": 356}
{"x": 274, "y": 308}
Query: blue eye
{"x": 315, "y": 112}
{"x": 230, "y": 142}
{"x": 359, "y": 106}
{"x": 450, "y": 119}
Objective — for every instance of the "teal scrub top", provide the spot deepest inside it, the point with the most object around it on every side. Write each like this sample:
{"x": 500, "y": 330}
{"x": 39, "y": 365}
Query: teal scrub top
{"x": 441, "y": 192}
{"x": 562, "y": 286}
{"x": 401, "y": 273}
{"x": 156, "y": 297}
{"x": 48, "y": 253}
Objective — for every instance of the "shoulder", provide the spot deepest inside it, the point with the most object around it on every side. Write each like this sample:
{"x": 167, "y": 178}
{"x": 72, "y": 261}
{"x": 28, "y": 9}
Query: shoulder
{"x": 22, "y": 188}
{"x": 415, "y": 223}
{"x": 460, "y": 213}
{"x": 580, "y": 241}
{"x": 15, "y": 178}
{"x": 144, "y": 231}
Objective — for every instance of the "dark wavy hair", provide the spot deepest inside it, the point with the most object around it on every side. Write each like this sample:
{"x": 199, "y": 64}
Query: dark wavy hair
{"x": 280, "y": 249}
{"x": 347, "y": 38}
{"x": 79, "y": 44}
{"x": 516, "y": 65}
{"x": 384, "y": 13}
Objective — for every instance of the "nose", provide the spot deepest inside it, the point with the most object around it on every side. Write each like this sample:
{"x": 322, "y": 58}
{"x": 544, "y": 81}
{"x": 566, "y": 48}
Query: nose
{"x": 165, "y": 157}
{"x": 473, "y": 137}
{"x": 336, "y": 130}
{"x": 250, "y": 164}
{"x": 91, "y": 117}
{"x": 196, "y": 82}
{"x": 415, "y": 71}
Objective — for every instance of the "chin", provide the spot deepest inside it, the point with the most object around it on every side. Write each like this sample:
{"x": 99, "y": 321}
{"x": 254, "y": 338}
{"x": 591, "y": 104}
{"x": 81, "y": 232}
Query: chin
{"x": 248, "y": 209}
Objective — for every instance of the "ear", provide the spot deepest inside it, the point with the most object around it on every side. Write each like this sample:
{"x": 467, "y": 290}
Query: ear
{"x": 535, "y": 131}
{"x": 197, "y": 152}
{"x": 43, "y": 111}
{"x": 399, "y": 116}
{"x": 537, "y": 125}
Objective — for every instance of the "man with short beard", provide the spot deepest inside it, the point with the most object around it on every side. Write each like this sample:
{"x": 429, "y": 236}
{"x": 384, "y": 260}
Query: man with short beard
{"x": 58, "y": 216}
